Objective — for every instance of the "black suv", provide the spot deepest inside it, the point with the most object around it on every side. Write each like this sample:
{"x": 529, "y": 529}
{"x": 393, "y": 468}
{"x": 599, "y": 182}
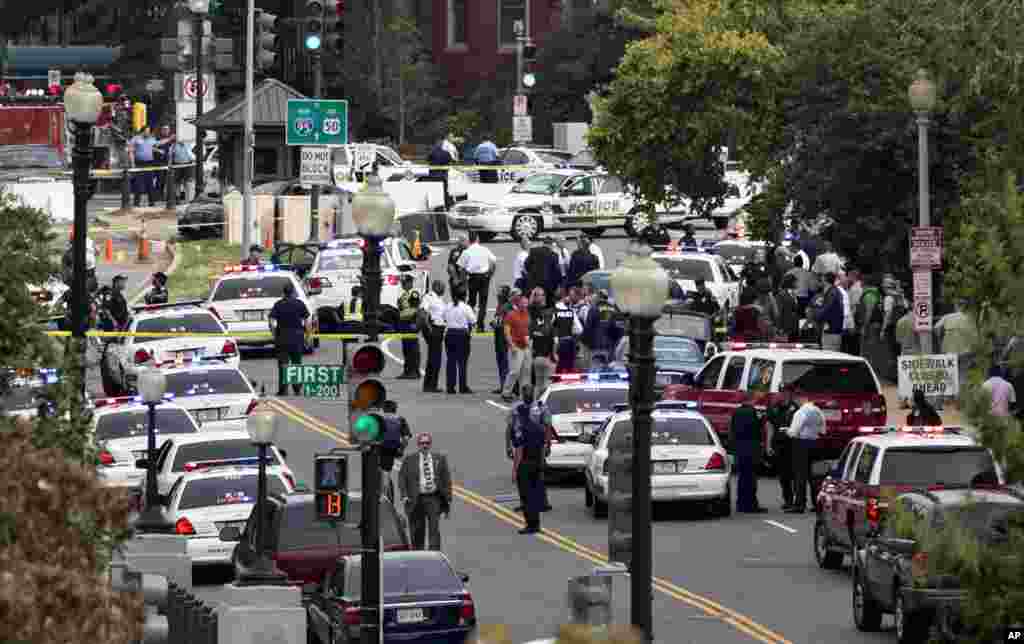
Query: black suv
{"x": 302, "y": 546}
{"x": 891, "y": 574}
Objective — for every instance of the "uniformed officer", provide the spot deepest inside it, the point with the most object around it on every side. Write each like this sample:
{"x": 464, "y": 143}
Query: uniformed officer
{"x": 567, "y": 328}
{"x": 408, "y": 305}
{"x": 288, "y": 320}
{"x": 779, "y": 417}
{"x": 117, "y": 306}
{"x": 529, "y": 444}
{"x": 542, "y": 340}
{"x": 599, "y": 332}
{"x": 457, "y": 276}
{"x": 688, "y": 240}
{"x": 702, "y": 300}
{"x": 745, "y": 437}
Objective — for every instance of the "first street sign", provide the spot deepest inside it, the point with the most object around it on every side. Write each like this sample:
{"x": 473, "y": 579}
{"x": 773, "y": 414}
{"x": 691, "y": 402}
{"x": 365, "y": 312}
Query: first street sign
{"x": 314, "y": 121}
{"x": 926, "y": 247}
{"x": 318, "y": 381}
{"x": 315, "y": 166}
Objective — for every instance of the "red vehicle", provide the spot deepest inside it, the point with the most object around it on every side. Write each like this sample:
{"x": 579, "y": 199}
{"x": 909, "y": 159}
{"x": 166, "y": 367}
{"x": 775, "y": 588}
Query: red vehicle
{"x": 843, "y": 386}
{"x": 32, "y": 124}
{"x": 883, "y": 462}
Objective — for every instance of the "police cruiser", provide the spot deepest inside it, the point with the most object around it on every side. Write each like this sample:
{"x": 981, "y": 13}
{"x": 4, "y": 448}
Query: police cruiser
{"x": 214, "y": 495}
{"x": 243, "y": 296}
{"x": 689, "y": 265}
{"x": 120, "y": 428}
{"x": 123, "y": 357}
{"x": 28, "y": 390}
{"x": 579, "y": 405}
{"x": 218, "y": 396}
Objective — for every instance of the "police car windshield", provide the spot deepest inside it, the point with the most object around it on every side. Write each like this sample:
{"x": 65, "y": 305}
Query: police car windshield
{"x": 685, "y": 268}
{"x": 203, "y": 382}
{"x": 199, "y": 322}
{"x": 678, "y": 351}
{"x": 539, "y": 184}
{"x": 131, "y": 423}
{"x": 673, "y": 431}
{"x": 583, "y": 401}
{"x": 340, "y": 260}
{"x": 241, "y": 288}
{"x": 829, "y": 376}
{"x": 220, "y": 450}
{"x": 923, "y": 466}
{"x": 227, "y": 490}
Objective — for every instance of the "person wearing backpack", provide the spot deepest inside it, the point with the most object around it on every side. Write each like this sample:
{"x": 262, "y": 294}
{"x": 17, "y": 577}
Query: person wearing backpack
{"x": 868, "y": 317}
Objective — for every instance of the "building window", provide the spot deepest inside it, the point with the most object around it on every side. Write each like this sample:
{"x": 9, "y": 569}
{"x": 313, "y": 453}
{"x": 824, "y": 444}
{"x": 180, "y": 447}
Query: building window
{"x": 456, "y": 23}
{"x": 508, "y": 12}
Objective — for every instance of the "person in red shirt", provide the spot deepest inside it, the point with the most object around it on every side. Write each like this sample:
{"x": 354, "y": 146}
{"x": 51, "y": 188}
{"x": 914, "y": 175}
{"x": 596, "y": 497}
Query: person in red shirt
{"x": 517, "y": 333}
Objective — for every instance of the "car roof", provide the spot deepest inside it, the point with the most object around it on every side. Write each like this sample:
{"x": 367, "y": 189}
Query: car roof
{"x": 205, "y": 366}
{"x": 961, "y": 496}
{"x": 105, "y": 410}
{"x": 167, "y": 311}
{"x": 226, "y": 470}
{"x": 909, "y": 439}
{"x": 794, "y": 354}
{"x": 669, "y": 413}
{"x": 685, "y": 254}
{"x": 405, "y": 555}
{"x": 568, "y": 386}
{"x": 207, "y": 437}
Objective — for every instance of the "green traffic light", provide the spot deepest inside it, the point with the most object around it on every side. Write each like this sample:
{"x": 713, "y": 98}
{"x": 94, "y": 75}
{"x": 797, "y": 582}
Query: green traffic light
{"x": 367, "y": 427}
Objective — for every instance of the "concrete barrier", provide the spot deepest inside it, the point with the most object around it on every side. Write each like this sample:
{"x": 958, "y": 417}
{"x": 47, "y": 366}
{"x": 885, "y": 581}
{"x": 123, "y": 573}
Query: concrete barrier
{"x": 57, "y": 198}
{"x": 261, "y": 614}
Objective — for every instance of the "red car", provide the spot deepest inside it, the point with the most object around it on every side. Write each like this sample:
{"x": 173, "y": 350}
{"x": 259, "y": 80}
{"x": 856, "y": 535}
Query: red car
{"x": 843, "y": 386}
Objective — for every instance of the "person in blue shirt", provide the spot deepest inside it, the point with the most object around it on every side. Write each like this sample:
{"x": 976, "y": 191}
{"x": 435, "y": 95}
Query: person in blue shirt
{"x": 487, "y": 154}
{"x": 141, "y": 154}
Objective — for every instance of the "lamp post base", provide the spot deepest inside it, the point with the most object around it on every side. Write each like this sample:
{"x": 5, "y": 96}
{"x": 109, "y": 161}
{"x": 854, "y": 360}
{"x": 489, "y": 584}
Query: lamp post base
{"x": 262, "y": 573}
{"x": 152, "y": 520}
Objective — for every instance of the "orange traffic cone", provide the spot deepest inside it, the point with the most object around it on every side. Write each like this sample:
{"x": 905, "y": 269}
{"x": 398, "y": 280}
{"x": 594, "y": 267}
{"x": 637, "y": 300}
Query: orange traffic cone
{"x": 143, "y": 250}
{"x": 268, "y": 241}
{"x": 108, "y": 250}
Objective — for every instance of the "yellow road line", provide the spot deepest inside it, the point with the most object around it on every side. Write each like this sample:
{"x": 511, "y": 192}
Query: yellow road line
{"x": 738, "y": 621}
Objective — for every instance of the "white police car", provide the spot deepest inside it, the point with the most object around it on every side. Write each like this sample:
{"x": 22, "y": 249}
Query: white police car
{"x": 120, "y": 429}
{"x": 686, "y": 267}
{"x": 214, "y": 496}
{"x": 27, "y": 389}
{"x": 124, "y": 356}
{"x": 218, "y": 396}
{"x": 243, "y": 296}
{"x": 579, "y": 405}
{"x": 688, "y": 462}
{"x": 180, "y": 454}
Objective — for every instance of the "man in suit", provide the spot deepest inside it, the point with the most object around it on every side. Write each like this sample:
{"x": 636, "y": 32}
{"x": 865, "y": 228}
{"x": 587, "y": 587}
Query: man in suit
{"x": 426, "y": 485}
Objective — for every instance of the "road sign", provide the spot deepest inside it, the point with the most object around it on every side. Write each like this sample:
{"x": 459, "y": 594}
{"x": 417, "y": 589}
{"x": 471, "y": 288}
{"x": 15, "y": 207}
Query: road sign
{"x": 926, "y": 247}
{"x": 522, "y": 129}
{"x": 314, "y": 121}
{"x": 366, "y": 154}
{"x": 315, "y": 167}
{"x": 193, "y": 87}
{"x": 519, "y": 106}
{"x": 318, "y": 381}
{"x": 187, "y": 86}
{"x": 922, "y": 284}
{"x": 53, "y": 77}
{"x": 922, "y": 314}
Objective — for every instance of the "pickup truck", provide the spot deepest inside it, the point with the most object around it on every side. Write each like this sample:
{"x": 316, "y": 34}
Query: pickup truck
{"x": 891, "y": 574}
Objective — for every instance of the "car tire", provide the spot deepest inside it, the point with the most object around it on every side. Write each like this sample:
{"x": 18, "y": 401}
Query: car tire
{"x": 599, "y": 508}
{"x": 485, "y": 236}
{"x": 827, "y": 558}
{"x": 911, "y": 628}
{"x": 526, "y": 226}
{"x": 721, "y": 223}
{"x": 867, "y": 614}
{"x": 588, "y": 498}
{"x": 723, "y": 506}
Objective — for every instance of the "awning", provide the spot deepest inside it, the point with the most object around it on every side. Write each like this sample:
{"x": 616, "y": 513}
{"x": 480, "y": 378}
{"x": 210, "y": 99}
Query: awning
{"x": 34, "y": 62}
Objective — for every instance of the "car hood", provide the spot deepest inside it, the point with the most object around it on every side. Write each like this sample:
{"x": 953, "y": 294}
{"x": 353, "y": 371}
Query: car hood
{"x": 566, "y": 424}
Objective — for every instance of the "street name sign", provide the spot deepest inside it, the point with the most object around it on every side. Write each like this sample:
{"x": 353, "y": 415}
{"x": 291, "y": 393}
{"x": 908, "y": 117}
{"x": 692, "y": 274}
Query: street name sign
{"x": 926, "y": 247}
{"x": 314, "y": 121}
{"x": 315, "y": 166}
{"x": 318, "y": 381}
{"x": 522, "y": 129}
{"x": 935, "y": 375}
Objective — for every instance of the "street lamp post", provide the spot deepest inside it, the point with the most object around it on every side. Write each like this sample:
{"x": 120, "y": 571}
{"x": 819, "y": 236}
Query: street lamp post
{"x": 922, "y": 99}
{"x": 373, "y": 212}
{"x": 640, "y": 285}
{"x": 82, "y": 105}
{"x": 262, "y": 426}
{"x": 152, "y": 386}
{"x": 199, "y": 10}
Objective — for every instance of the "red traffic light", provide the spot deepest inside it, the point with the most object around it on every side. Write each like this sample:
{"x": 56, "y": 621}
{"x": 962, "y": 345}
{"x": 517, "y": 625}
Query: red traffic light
{"x": 339, "y": 8}
{"x": 54, "y": 90}
{"x": 113, "y": 89}
{"x": 367, "y": 360}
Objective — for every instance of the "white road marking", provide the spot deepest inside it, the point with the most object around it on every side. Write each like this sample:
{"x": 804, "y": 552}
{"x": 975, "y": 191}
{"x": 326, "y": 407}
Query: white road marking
{"x": 384, "y": 347}
{"x": 498, "y": 405}
{"x": 780, "y": 526}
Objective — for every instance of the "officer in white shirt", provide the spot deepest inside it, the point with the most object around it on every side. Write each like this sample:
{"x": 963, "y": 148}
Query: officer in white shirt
{"x": 828, "y": 262}
{"x": 595, "y": 250}
{"x": 808, "y": 424}
{"x": 459, "y": 318}
{"x": 519, "y": 265}
{"x": 478, "y": 263}
{"x": 433, "y": 333}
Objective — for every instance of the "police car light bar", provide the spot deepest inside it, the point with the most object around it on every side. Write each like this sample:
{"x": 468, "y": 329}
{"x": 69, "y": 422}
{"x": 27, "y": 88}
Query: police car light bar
{"x": 254, "y": 268}
{"x": 347, "y": 243}
{"x": 740, "y": 346}
{"x": 168, "y": 305}
{"x": 592, "y": 376}
{"x": 174, "y": 363}
{"x": 912, "y": 429}
{"x": 676, "y": 404}
{"x": 122, "y": 400}
{"x": 193, "y": 466}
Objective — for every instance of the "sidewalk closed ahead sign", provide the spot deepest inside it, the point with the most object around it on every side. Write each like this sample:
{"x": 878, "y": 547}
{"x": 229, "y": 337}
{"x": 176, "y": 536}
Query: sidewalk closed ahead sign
{"x": 935, "y": 375}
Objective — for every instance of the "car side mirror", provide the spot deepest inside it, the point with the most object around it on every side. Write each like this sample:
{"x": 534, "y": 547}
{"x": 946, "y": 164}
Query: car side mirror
{"x": 464, "y": 576}
{"x": 230, "y": 533}
{"x": 899, "y": 546}
{"x": 142, "y": 463}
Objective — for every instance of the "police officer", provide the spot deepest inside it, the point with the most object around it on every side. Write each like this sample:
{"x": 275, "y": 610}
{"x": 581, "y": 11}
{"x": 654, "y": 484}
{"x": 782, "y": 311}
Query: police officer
{"x": 688, "y": 239}
{"x": 158, "y": 293}
{"x": 703, "y": 300}
{"x": 529, "y": 443}
{"x": 408, "y": 306}
{"x": 287, "y": 320}
{"x": 542, "y": 340}
{"x": 745, "y": 437}
{"x": 503, "y": 308}
{"x": 117, "y": 306}
{"x": 779, "y": 417}
{"x": 457, "y": 279}
{"x": 599, "y": 331}
{"x": 567, "y": 327}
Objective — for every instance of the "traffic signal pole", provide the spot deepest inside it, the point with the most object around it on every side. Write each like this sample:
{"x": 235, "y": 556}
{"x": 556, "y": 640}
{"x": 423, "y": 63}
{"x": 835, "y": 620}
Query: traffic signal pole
{"x": 247, "y": 133}
{"x": 370, "y": 531}
{"x": 314, "y": 197}
{"x": 198, "y": 24}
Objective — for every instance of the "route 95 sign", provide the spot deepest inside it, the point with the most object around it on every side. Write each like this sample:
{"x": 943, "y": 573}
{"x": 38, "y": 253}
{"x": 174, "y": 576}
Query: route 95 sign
{"x": 317, "y": 122}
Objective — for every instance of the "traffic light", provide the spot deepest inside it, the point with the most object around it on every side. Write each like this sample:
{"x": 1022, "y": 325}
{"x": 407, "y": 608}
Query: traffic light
{"x": 334, "y": 29}
{"x": 331, "y": 472}
{"x": 366, "y": 393}
{"x": 314, "y": 25}
{"x": 620, "y": 496}
{"x": 529, "y": 53}
{"x": 266, "y": 40}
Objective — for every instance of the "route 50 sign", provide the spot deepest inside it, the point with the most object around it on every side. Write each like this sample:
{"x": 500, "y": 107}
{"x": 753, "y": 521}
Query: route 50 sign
{"x": 314, "y": 121}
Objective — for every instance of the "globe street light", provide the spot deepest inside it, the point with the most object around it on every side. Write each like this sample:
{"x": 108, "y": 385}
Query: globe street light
{"x": 82, "y": 105}
{"x": 373, "y": 212}
{"x": 640, "y": 286}
{"x": 153, "y": 387}
{"x": 262, "y": 426}
{"x": 922, "y": 100}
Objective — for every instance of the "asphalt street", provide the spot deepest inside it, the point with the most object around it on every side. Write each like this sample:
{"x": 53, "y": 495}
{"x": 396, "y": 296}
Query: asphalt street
{"x": 738, "y": 579}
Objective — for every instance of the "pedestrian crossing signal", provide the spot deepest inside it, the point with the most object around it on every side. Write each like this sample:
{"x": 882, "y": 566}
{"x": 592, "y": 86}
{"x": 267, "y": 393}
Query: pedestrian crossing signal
{"x": 330, "y": 473}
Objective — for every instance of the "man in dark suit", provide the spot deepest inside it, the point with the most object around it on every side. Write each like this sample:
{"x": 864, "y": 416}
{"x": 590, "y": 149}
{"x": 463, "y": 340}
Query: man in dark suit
{"x": 542, "y": 268}
{"x": 426, "y": 485}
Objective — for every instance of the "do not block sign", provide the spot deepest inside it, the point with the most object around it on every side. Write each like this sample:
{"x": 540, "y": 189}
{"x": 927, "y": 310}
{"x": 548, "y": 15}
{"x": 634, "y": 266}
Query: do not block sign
{"x": 315, "y": 166}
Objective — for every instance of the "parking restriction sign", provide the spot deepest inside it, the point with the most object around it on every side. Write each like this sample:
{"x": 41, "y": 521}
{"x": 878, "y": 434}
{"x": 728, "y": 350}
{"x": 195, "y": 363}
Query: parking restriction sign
{"x": 922, "y": 314}
{"x": 926, "y": 247}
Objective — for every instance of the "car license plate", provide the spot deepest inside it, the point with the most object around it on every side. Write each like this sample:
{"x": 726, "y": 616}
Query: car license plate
{"x": 411, "y": 616}
{"x": 252, "y": 316}
{"x": 208, "y": 414}
{"x": 665, "y": 468}
{"x": 832, "y": 414}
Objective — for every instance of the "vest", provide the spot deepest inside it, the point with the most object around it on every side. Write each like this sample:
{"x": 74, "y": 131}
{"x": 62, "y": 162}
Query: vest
{"x": 564, "y": 319}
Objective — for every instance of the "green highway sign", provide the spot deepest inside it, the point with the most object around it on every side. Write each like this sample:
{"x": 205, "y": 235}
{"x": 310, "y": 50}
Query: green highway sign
{"x": 315, "y": 121}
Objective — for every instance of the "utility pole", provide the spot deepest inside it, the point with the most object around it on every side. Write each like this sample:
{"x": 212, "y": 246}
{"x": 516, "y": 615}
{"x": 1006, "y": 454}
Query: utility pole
{"x": 198, "y": 29}
{"x": 247, "y": 133}
{"x": 314, "y": 197}
{"x": 520, "y": 28}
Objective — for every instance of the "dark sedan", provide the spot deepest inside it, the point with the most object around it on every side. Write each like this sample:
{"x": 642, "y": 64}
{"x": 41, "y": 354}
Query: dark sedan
{"x": 673, "y": 356}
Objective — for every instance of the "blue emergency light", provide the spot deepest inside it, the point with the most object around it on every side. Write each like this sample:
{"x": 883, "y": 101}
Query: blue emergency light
{"x": 592, "y": 376}
{"x": 256, "y": 268}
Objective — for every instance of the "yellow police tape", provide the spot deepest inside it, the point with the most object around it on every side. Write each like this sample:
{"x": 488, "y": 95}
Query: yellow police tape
{"x": 241, "y": 334}
{"x": 102, "y": 173}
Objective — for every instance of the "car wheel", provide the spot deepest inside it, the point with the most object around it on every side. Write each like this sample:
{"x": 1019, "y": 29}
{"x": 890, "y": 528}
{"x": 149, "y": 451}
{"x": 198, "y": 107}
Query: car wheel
{"x": 485, "y": 236}
{"x": 827, "y": 558}
{"x": 599, "y": 508}
{"x": 867, "y": 614}
{"x": 526, "y": 226}
{"x": 723, "y": 506}
{"x": 911, "y": 628}
{"x": 636, "y": 221}
{"x": 721, "y": 223}
{"x": 588, "y": 498}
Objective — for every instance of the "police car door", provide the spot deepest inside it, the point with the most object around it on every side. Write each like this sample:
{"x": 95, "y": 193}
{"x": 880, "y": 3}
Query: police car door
{"x": 577, "y": 203}
{"x": 518, "y": 161}
{"x": 611, "y": 201}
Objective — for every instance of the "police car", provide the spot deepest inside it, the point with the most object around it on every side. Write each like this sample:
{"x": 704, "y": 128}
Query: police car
{"x": 521, "y": 161}
{"x": 338, "y": 266}
{"x": 688, "y": 462}
{"x": 243, "y": 296}
{"x": 120, "y": 429}
{"x": 738, "y": 252}
{"x": 686, "y": 267}
{"x": 185, "y": 453}
{"x": 579, "y": 405}
{"x": 28, "y": 389}
{"x": 218, "y": 396}
{"x": 214, "y": 495}
{"x": 124, "y": 356}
